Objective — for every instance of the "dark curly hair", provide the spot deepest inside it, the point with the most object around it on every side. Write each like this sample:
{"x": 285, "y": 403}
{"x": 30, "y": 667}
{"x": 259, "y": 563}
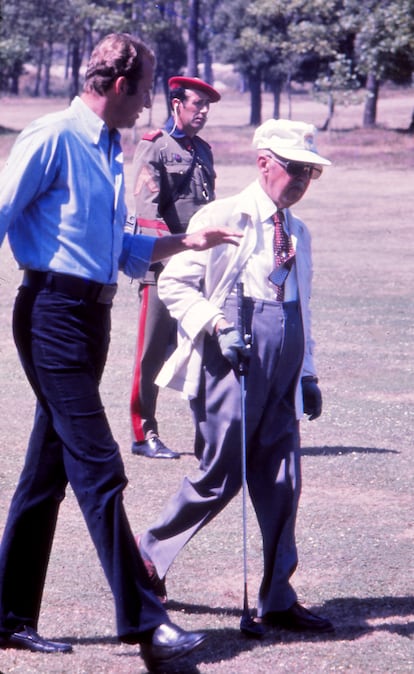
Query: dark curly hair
{"x": 116, "y": 55}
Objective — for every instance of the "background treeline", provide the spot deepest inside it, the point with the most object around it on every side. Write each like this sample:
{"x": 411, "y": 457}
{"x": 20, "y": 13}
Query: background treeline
{"x": 341, "y": 48}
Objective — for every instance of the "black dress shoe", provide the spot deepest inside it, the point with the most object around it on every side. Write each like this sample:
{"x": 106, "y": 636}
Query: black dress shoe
{"x": 29, "y": 640}
{"x": 297, "y": 618}
{"x": 168, "y": 642}
{"x": 153, "y": 448}
{"x": 157, "y": 583}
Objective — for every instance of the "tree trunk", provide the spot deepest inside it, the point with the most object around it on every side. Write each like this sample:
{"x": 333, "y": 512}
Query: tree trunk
{"x": 411, "y": 127}
{"x": 76, "y": 64}
{"x": 255, "y": 86}
{"x": 192, "y": 47}
{"x": 46, "y": 70}
{"x": 15, "y": 78}
{"x": 289, "y": 95}
{"x": 38, "y": 77}
{"x": 208, "y": 66}
{"x": 166, "y": 91}
{"x": 14, "y": 83}
{"x": 331, "y": 110}
{"x": 370, "y": 109}
{"x": 276, "y": 88}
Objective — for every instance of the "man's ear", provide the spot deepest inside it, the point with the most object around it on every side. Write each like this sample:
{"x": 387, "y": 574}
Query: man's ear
{"x": 175, "y": 104}
{"x": 121, "y": 85}
{"x": 262, "y": 163}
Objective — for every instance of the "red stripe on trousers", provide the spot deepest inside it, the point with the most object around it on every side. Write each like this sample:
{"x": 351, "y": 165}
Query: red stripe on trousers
{"x": 134, "y": 405}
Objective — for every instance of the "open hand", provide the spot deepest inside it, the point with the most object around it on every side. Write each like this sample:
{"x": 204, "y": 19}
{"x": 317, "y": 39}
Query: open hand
{"x": 203, "y": 239}
{"x": 211, "y": 236}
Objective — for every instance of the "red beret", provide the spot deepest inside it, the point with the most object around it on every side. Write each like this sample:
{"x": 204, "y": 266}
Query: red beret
{"x": 194, "y": 83}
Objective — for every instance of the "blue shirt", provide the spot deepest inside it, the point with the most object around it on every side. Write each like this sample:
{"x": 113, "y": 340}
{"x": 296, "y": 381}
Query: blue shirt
{"x": 62, "y": 199}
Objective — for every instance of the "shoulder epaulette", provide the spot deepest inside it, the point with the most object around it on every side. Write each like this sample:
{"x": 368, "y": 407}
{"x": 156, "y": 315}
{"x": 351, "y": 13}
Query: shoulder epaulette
{"x": 152, "y": 135}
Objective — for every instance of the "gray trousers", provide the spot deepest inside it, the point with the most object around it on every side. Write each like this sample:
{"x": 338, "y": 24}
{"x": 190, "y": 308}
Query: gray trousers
{"x": 273, "y": 457}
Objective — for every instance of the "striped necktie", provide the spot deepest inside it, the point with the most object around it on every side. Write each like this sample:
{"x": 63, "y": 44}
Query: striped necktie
{"x": 284, "y": 254}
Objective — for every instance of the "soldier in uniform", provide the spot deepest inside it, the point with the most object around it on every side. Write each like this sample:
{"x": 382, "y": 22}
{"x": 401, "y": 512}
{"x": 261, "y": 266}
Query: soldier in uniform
{"x": 173, "y": 177}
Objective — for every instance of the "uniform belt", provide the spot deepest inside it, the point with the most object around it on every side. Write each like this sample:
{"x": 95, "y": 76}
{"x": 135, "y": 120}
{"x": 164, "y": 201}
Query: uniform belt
{"x": 74, "y": 286}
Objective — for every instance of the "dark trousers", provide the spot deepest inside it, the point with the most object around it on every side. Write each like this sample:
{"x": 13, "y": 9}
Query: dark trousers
{"x": 273, "y": 457}
{"x": 63, "y": 343}
{"x": 156, "y": 334}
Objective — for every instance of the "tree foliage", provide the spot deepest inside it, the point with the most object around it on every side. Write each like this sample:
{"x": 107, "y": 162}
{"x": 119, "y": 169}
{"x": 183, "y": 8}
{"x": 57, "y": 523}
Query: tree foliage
{"x": 337, "y": 45}
{"x": 338, "y": 85}
{"x": 384, "y": 45}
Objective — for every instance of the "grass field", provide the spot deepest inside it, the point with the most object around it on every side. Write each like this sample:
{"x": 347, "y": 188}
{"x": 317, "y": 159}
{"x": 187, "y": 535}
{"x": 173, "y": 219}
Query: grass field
{"x": 355, "y": 525}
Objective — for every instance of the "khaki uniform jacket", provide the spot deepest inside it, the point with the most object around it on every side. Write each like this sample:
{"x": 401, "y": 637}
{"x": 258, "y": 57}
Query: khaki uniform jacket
{"x": 171, "y": 182}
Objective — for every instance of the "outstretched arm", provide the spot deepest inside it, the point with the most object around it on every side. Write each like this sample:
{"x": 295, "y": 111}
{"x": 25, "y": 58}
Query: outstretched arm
{"x": 205, "y": 238}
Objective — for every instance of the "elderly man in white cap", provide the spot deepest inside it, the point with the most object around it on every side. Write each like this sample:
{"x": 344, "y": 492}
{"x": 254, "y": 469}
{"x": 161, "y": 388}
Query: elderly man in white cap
{"x": 274, "y": 266}
{"x": 174, "y": 177}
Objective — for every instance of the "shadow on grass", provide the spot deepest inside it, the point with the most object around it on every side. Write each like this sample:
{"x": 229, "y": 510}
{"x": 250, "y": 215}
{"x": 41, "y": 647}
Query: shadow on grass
{"x": 345, "y": 608}
{"x": 350, "y": 615}
{"x": 334, "y": 451}
{"x": 3, "y": 131}
{"x": 353, "y": 617}
{"x": 340, "y": 451}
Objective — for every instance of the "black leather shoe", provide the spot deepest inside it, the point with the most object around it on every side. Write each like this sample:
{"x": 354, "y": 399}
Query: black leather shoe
{"x": 158, "y": 584}
{"x": 153, "y": 448}
{"x": 168, "y": 642}
{"x": 297, "y": 618}
{"x": 29, "y": 640}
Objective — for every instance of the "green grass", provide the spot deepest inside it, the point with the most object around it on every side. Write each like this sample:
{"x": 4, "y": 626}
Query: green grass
{"x": 355, "y": 520}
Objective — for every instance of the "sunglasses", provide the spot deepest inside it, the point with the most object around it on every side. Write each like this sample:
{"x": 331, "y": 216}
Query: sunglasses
{"x": 296, "y": 168}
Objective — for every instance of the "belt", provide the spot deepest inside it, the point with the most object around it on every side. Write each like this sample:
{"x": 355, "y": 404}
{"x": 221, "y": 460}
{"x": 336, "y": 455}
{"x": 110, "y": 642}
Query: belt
{"x": 74, "y": 286}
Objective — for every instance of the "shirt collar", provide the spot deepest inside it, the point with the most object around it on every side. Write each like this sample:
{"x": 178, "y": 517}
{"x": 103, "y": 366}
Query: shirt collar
{"x": 266, "y": 207}
{"x": 260, "y": 206}
{"x": 169, "y": 126}
{"x": 95, "y": 126}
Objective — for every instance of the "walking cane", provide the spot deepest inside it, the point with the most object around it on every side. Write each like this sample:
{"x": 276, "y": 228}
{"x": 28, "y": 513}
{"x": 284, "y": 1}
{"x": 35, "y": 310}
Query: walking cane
{"x": 248, "y": 626}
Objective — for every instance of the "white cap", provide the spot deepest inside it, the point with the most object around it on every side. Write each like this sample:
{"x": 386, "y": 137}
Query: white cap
{"x": 289, "y": 140}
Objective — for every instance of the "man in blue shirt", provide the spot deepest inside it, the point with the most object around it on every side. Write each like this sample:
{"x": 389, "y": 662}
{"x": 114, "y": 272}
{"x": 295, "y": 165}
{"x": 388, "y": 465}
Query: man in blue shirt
{"x": 62, "y": 205}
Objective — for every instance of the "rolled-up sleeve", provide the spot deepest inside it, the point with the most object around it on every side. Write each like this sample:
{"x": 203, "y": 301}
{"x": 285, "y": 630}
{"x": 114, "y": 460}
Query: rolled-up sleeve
{"x": 136, "y": 254}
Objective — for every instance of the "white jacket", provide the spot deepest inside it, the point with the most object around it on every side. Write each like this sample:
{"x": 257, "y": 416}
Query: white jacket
{"x": 195, "y": 285}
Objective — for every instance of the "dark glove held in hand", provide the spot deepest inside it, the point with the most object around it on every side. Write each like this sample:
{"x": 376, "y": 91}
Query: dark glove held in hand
{"x": 312, "y": 397}
{"x": 233, "y": 347}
